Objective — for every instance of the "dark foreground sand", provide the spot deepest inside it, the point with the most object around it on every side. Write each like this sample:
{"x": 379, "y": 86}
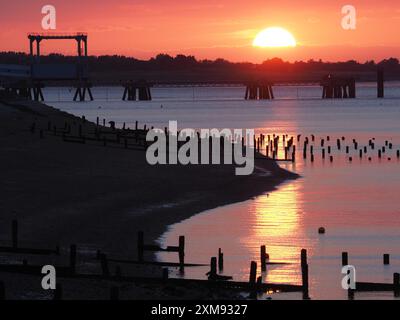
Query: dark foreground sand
{"x": 99, "y": 197}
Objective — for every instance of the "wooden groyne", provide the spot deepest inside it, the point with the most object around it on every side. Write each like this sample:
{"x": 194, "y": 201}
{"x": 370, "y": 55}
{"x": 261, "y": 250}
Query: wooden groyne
{"x": 71, "y": 271}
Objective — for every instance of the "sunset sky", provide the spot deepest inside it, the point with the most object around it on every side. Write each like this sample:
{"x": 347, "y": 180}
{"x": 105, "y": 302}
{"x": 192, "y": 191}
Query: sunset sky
{"x": 210, "y": 28}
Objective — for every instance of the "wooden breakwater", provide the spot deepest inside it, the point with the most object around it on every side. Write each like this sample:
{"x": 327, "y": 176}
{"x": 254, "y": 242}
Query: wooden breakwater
{"x": 71, "y": 271}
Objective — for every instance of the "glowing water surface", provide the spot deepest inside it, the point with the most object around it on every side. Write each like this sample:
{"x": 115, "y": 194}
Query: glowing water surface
{"x": 357, "y": 202}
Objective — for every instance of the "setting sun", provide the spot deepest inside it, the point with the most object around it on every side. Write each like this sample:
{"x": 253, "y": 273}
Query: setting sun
{"x": 274, "y": 37}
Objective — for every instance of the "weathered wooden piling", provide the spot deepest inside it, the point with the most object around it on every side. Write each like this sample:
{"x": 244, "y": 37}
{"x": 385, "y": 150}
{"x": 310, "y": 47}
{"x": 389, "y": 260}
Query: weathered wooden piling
{"x": 334, "y": 87}
{"x": 259, "y": 91}
{"x": 72, "y": 258}
{"x": 118, "y": 272}
{"x": 136, "y": 90}
{"x": 345, "y": 258}
{"x": 58, "y": 293}
{"x": 212, "y": 274}
{"x": 253, "y": 273}
{"x": 83, "y": 87}
{"x": 380, "y": 80}
{"x": 165, "y": 273}
{"x": 14, "y": 234}
{"x": 220, "y": 260}
{"x": 304, "y": 273}
{"x": 2, "y": 291}
{"x": 396, "y": 284}
{"x": 140, "y": 244}
{"x": 386, "y": 259}
{"x": 350, "y": 294}
{"x": 104, "y": 265}
{"x": 114, "y": 293}
{"x": 181, "y": 253}
{"x": 263, "y": 257}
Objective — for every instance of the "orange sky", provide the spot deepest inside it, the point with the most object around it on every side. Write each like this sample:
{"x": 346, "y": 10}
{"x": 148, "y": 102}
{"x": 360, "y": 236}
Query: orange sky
{"x": 210, "y": 29}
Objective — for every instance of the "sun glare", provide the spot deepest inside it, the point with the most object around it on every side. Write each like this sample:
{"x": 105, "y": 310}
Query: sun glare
{"x": 274, "y": 37}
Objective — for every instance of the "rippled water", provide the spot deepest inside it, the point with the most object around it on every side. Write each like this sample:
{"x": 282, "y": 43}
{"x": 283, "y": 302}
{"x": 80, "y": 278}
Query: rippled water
{"x": 357, "y": 202}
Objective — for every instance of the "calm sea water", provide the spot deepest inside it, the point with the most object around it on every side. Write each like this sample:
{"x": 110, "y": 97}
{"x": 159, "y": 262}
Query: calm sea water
{"x": 357, "y": 202}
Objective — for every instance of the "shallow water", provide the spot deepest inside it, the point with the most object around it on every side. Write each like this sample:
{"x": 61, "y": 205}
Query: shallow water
{"x": 357, "y": 202}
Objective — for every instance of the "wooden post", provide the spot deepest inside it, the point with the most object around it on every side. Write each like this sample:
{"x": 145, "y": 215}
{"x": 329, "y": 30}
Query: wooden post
{"x": 350, "y": 294}
{"x": 2, "y": 291}
{"x": 165, "y": 273}
{"x": 140, "y": 244}
{"x": 263, "y": 258}
{"x": 304, "y": 273}
{"x": 72, "y": 258}
{"x": 220, "y": 260}
{"x": 114, "y": 293}
{"x": 118, "y": 272}
{"x": 58, "y": 292}
{"x": 104, "y": 265}
{"x": 380, "y": 80}
{"x": 386, "y": 259}
{"x": 213, "y": 269}
{"x": 345, "y": 259}
{"x": 253, "y": 273}
{"x": 181, "y": 253}
{"x": 14, "y": 232}
{"x": 396, "y": 284}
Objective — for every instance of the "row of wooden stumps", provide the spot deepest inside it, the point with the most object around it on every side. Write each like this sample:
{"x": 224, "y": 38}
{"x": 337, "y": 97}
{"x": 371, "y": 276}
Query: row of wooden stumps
{"x": 311, "y": 144}
{"x": 259, "y": 91}
{"x": 83, "y": 88}
{"x": 136, "y": 90}
{"x": 338, "y": 88}
{"x": 271, "y": 143}
{"x": 142, "y": 247}
{"x": 371, "y": 286}
{"x": 254, "y": 281}
{"x": 84, "y": 132}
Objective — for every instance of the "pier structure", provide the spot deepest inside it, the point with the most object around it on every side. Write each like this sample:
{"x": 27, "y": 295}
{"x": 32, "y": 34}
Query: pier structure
{"x": 338, "y": 88}
{"x": 80, "y": 38}
{"x": 380, "y": 80}
{"x": 259, "y": 91}
{"x": 77, "y": 72}
{"x": 136, "y": 90}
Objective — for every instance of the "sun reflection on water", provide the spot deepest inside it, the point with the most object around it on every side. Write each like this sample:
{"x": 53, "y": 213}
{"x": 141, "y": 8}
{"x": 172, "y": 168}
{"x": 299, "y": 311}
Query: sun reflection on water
{"x": 277, "y": 224}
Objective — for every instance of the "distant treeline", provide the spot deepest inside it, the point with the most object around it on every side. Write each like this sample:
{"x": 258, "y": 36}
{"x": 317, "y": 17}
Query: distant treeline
{"x": 164, "y": 67}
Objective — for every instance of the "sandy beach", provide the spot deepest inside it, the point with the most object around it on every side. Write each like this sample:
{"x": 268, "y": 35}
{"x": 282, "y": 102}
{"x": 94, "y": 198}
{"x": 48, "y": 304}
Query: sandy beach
{"x": 99, "y": 197}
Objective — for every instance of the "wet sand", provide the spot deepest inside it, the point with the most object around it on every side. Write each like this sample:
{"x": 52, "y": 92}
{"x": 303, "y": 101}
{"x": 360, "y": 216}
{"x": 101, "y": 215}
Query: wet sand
{"x": 99, "y": 197}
